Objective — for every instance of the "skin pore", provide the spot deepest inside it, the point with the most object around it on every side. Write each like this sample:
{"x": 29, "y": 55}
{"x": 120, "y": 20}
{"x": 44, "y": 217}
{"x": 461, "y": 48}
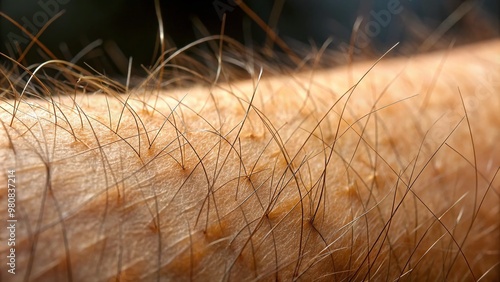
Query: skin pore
{"x": 376, "y": 171}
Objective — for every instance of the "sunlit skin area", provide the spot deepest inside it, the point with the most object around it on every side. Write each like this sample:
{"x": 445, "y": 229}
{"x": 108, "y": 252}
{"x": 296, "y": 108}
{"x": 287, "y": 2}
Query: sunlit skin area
{"x": 379, "y": 170}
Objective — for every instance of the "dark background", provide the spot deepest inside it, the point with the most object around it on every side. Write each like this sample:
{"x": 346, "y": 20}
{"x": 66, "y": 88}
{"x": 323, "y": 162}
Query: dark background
{"x": 129, "y": 28}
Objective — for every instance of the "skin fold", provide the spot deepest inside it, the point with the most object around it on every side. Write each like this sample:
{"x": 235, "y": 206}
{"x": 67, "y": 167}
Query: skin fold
{"x": 374, "y": 171}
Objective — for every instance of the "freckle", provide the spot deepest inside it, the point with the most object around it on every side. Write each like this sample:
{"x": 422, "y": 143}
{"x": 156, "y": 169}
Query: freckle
{"x": 76, "y": 143}
{"x": 144, "y": 111}
{"x": 438, "y": 165}
{"x": 217, "y": 230}
{"x": 282, "y": 209}
{"x": 351, "y": 190}
{"x": 254, "y": 136}
{"x": 130, "y": 272}
{"x": 190, "y": 257}
{"x": 198, "y": 247}
{"x": 153, "y": 226}
{"x": 120, "y": 200}
{"x": 374, "y": 178}
{"x": 275, "y": 153}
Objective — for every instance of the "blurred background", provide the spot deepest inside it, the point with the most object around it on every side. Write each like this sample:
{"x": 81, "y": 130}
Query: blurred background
{"x": 103, "y": 35}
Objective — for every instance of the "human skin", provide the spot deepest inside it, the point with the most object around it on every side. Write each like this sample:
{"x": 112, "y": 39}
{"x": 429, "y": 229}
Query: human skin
{"x": 345, "y": 174}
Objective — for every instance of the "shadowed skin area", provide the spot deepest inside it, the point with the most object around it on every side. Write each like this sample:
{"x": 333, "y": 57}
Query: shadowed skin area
{"x": 345, "y": 174}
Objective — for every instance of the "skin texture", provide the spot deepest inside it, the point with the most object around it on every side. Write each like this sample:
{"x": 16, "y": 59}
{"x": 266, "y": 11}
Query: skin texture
{"x": 347, "y": 174}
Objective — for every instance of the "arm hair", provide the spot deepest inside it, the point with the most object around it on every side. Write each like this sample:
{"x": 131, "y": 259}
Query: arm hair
{"x": 342, "y": 174}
